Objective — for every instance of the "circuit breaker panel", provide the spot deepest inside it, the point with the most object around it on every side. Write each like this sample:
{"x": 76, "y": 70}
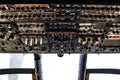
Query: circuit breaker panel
{"x": 59, "y": 28}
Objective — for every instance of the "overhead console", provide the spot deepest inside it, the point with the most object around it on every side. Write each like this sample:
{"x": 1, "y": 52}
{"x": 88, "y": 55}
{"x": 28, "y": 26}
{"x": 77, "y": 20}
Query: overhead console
{"x": 59, "y": 28}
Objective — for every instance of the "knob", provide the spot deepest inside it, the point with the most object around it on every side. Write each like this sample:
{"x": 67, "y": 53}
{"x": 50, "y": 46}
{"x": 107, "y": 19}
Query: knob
{"x": 60, "y": 54}
{"x": 11, "y": 36}
{"x": 2, "y": 36}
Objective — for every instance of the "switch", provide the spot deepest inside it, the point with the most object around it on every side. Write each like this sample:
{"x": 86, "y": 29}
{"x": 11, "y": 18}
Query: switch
{"x": 40, "y": 41}
{"x": 36, "y": 41}
{"x": 31, "y": 41}
{"x": 26, "y": 41}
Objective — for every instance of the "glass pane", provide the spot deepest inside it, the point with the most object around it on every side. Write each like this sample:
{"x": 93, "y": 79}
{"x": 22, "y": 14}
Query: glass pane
{"x": 16, "y": 61}
{"x": 19, "y": 77}
{"x": 56, "y": 68}
{"x": 104, "y": 77}
{"x": 103, "y": 61}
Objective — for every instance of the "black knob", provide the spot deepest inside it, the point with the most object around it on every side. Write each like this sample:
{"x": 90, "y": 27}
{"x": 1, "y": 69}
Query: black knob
{"x": 2, "y": 36}
{"x": 11, "y": 36}
{"x": 3, "y": 29}
{"x": 61, "y": 54}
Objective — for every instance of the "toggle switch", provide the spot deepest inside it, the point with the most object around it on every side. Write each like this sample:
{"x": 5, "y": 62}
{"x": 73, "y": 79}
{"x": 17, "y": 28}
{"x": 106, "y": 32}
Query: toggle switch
{"x": 40, "y": 41}
{"x": 26, "y": 41}
{"x": 31, "y": 41}
{"x": 36, "y": 41}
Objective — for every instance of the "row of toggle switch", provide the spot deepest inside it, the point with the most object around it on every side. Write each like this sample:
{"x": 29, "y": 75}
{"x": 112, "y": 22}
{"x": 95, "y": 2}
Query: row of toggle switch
{"x": 89, "y": 41}
{"x": 33, "y": 41}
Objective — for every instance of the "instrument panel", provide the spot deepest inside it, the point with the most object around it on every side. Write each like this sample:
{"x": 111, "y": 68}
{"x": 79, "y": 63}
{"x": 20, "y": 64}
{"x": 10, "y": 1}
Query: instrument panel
{"x": 59, "y": 28}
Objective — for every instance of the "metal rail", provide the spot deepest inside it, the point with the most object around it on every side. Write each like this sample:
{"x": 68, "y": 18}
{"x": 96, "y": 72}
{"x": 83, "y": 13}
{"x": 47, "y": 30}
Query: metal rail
{"x": 82, "y": 67}
{"x": 17, "y": 71}
{"x": 38, "y": 69}
{"x": 104, "y": 71}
